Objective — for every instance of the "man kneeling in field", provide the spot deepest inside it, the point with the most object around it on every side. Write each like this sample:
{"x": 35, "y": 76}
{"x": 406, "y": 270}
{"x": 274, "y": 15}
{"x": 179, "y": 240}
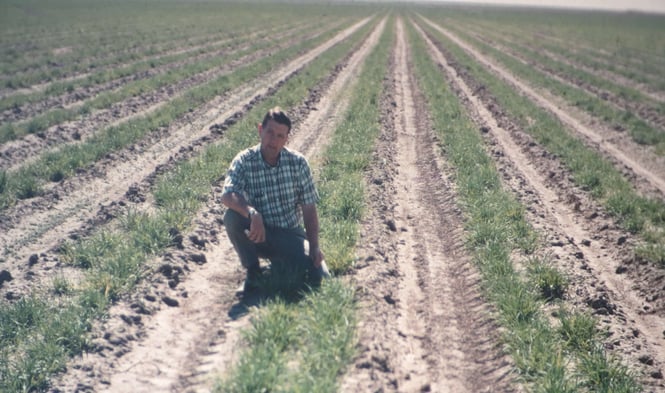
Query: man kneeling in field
{"x": 269, "y": 192}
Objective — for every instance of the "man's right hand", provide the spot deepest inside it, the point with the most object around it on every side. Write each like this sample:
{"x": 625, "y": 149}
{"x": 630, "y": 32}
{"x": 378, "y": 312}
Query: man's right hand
{"x": 257, "y": 231}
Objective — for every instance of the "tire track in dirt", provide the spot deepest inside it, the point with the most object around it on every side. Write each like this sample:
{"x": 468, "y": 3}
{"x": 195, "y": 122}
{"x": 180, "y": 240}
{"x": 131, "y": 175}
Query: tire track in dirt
{"x": 183, "y": 348}
{"x": 632, "y": 157}
{"x": 17, "y": 153}
{"x": 31, "y": 231}
{"x": 580, "y": 243}
{"x": 425, "y": 326}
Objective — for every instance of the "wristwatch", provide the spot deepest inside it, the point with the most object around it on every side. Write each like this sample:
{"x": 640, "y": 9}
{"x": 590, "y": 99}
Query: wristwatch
{"x": 252, "y": 212}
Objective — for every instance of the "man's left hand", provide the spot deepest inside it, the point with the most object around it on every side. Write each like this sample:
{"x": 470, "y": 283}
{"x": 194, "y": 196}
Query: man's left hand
{"x": 257, "y": 231}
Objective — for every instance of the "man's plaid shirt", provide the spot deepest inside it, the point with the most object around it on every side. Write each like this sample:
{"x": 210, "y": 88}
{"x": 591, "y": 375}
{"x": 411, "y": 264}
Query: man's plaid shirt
{"x": 276, "y": 192}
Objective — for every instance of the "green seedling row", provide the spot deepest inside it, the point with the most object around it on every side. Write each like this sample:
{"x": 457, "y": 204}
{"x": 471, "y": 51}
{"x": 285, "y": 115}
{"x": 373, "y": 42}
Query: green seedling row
{"x": 114, "y": 33}
{"x": 58, "y": 67}
{"x": 630, "y": 41}
{"x": 577, "y": 55}
{"x": 573, "y": 73}
{"x": 547, "y": 358}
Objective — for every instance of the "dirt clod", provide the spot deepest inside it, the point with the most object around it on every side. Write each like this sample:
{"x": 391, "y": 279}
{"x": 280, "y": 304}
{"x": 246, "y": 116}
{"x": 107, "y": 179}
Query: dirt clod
{"x": 601, "y": 305}
{"x": 140, "y": 308}
{"x": 199, "y": 259}
{"x": 177, "y": 238}
{"x": 199, "y": 242}
{"x": 5, "y": 276}
{"x": 171, "y": 302}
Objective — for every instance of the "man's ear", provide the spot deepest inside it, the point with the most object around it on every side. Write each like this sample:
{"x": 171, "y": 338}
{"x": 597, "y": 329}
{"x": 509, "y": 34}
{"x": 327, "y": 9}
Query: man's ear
{"x": 260, "y": 128}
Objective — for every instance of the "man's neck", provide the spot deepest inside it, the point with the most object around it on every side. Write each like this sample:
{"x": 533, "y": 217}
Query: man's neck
{"x": 268, "y": 161}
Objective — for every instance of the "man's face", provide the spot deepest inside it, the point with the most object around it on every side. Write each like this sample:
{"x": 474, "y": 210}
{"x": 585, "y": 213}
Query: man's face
{"x": 273, "y": 138}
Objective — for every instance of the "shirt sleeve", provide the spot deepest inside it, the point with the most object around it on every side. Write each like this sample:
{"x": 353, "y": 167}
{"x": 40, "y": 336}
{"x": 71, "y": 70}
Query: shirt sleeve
{"x": 235, "y": 177}
{"x": 310, "y": 195}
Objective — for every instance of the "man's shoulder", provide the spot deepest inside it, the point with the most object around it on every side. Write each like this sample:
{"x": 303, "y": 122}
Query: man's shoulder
{"x": 249, "y": 154}
{"x": 294, "y": 156}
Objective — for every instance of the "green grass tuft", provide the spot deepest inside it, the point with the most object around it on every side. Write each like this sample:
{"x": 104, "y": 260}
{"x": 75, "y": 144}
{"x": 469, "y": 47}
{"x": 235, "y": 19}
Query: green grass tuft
{"x": 550, "y": 282}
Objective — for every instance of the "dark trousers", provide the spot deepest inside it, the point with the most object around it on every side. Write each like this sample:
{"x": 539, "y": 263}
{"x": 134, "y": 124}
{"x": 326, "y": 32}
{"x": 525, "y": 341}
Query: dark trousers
{"x": 285, "y": 248}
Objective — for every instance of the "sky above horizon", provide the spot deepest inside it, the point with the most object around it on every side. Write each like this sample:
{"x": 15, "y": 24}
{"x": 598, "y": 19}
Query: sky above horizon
{"x": 616, "y": 5}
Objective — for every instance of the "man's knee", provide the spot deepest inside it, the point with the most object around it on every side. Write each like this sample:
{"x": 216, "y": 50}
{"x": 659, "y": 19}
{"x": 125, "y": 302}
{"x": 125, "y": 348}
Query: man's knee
{"x": 235, "y": 225}
{"x": 234, "y": 222}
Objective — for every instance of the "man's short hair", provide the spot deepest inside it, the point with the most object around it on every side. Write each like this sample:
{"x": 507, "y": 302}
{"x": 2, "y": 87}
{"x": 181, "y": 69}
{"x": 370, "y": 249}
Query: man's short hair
{"x": 278, "y": 115}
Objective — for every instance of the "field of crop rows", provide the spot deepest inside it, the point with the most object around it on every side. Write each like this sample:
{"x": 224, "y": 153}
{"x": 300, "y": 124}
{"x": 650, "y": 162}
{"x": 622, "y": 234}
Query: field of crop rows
{"x": 492, "y": 186}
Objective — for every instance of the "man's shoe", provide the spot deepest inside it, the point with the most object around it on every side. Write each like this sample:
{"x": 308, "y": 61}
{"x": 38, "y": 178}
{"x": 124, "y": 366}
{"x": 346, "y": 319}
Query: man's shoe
{"x": 250, "y": 286}
{"x": 252, "y": 280}
{"x": 323, "y": 270}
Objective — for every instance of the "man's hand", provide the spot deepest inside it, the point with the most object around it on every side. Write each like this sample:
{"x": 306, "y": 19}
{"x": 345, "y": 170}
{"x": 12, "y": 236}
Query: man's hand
{"x": 257, "y": 231}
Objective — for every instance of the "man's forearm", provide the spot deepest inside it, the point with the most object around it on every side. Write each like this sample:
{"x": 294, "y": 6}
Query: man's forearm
{"x": 311, "y": 221}
{"x": 236, "y": 202}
